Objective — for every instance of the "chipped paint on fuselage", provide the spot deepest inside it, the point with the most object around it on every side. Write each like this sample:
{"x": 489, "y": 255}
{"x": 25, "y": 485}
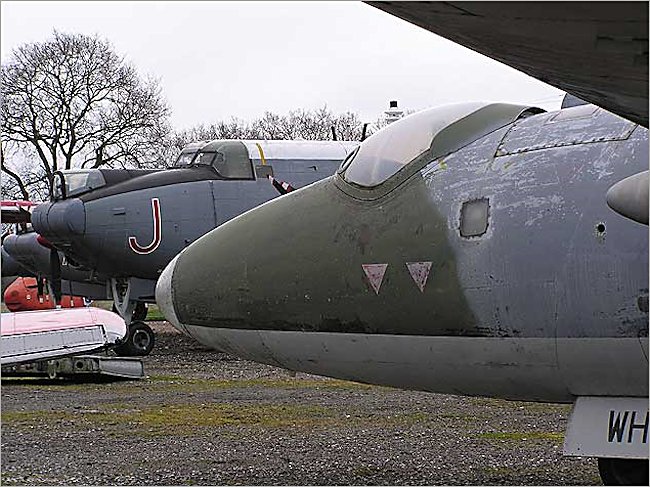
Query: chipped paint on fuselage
{"x": 543, "y": 284}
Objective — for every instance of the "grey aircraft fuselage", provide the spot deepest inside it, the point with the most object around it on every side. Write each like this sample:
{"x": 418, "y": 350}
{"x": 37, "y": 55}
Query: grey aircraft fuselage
{"x": 466, "y": 249}
{"x": 131, "y": 229}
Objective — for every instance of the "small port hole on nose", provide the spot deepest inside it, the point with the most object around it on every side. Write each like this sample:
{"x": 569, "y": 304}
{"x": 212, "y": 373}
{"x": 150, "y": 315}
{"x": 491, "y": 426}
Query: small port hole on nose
{"x": 600, "y": 228}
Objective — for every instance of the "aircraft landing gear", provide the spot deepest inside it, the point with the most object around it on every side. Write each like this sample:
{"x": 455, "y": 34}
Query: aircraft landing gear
{"x": 139, "y": 311}
{"x": 140, "y": 338}
{"x": 622, "y": 471}
{"x": 139, "y": 341}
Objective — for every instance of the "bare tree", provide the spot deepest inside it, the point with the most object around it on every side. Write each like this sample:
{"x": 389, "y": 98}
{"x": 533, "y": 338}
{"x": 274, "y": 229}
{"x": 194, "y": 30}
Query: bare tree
{"x": 308, "y": 125}
{"x": 296, "y": 125}
{"x": 76, "y": 103}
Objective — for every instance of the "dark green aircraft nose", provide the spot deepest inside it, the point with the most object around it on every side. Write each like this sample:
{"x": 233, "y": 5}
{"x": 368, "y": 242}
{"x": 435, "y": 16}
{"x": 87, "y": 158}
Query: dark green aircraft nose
{"x": 364, "y": 251}
{"x": 319, "y": 260}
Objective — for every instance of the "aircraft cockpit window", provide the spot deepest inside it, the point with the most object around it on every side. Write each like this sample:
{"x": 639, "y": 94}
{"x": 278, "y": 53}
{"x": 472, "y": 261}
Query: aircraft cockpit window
{"x": 390, "y": 149}
{"x": 203, "y": 159}
{"x": 76, "y": 181}
{"x": 232, "y": 162}
{"x": 184, "y": 159}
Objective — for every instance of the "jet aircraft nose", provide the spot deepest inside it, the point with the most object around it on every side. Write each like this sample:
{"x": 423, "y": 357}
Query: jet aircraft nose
{"x": 306, "y": 263}
{"x": 164, "y": 296}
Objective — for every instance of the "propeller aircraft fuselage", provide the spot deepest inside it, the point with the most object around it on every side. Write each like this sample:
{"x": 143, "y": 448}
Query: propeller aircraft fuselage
{"x": 124, "y": 226}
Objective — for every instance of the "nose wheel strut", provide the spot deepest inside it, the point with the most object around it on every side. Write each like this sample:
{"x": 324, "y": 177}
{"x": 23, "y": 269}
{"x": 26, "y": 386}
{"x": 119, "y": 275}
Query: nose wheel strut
{"x": 140, "y": 338}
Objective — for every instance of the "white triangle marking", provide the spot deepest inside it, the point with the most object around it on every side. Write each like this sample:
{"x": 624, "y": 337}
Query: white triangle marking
{"x": 375, "y": 274}
{"x": 419, "y": 272}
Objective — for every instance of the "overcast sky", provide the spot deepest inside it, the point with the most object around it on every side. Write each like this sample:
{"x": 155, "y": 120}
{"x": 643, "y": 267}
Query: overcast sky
{"x": 217, "y": 60}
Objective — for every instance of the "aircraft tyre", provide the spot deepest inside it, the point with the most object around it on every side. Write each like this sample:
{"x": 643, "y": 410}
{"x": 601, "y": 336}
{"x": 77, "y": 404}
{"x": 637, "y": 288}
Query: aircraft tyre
{"x": 623, "y": 471}
{"x": 139, "y": 341}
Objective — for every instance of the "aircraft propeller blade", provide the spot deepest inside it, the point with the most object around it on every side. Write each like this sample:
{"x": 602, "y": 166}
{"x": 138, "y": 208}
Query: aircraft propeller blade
{"x": 39, "y": 286}
{"x": 55, "y": 275}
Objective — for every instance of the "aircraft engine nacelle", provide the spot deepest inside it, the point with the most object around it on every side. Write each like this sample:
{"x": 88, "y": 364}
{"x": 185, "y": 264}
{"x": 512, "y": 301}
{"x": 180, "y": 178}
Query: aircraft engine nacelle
{"x": 60, "y": 221}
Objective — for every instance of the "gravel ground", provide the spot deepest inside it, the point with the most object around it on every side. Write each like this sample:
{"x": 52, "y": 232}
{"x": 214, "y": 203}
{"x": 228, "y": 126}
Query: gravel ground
{"x": 205, "y": 418}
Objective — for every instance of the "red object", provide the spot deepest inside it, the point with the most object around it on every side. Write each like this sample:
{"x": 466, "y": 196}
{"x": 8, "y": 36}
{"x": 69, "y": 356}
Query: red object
{"x": 281, "y": 186}
{"x": 44, "y": 242}
{"x": 17, "y": 211}
{"x": 22, "y": 295}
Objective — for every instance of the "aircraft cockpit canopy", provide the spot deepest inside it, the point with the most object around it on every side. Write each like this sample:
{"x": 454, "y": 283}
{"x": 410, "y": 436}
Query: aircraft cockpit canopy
{"x": 390, "y": 149}
{"x": 73, "y": 182}
{"x": 434, "y": 132}
{"x": 229, "y": 158}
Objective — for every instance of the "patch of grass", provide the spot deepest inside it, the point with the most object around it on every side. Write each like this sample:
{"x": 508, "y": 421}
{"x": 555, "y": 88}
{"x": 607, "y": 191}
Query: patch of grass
{"x": 154, "y": 314}
{"x": 172, "y": 383}
{"x": 521, "y": 436}
{"x": 41, "y": 383}
{"x": 107, "y": 305}
{"x": 544, "y": 407}
{"x": 188, "y": 419}
{"x": 181, "y": 418}
{"x": 289, "y": 383}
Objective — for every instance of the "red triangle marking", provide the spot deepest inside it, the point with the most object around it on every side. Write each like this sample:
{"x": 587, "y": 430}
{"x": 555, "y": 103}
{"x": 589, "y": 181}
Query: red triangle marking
{"x": 419, "y": 272}
{"x": 375, "y": 274}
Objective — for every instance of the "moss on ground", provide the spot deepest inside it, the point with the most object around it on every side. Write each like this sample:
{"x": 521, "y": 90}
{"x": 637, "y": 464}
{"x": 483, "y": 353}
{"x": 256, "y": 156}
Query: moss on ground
{"x": 33, "y": 417}
{"x": 175, "y": 383}
{"x": 523, "y": 436}
{"x": 188, "y": 419}
{"x": 196, "y": 384}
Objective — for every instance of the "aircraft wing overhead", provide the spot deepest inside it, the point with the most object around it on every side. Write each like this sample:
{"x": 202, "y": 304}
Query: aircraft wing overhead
{"x": 597, "y": 51}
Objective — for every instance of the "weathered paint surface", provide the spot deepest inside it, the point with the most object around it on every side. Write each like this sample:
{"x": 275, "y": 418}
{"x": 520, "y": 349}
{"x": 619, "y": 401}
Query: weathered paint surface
{"x": 420, "y": 273}
{"x": 556, "y": 267}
